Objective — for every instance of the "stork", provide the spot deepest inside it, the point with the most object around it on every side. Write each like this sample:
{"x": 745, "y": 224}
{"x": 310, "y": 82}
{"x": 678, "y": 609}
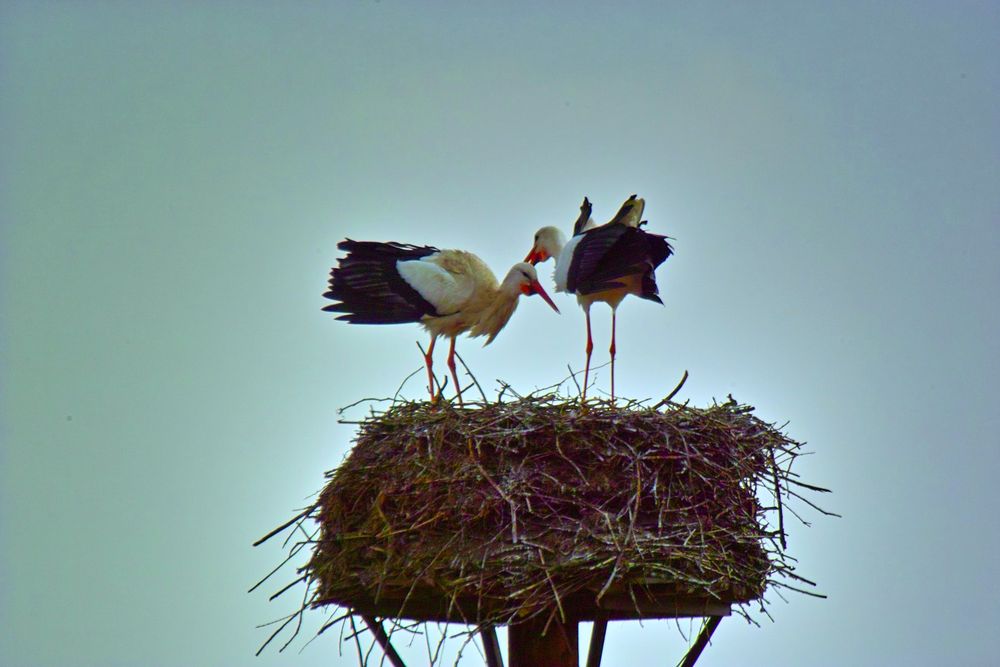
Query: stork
{"x": 604, "y": 263}
{"x": 449, "y": 292}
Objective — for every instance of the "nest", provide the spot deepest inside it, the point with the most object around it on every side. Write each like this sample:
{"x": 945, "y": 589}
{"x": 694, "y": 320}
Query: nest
{"x": 496, "y": 512}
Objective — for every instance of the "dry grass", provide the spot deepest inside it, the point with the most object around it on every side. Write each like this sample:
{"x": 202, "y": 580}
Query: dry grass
{"x": 500, "y": 510}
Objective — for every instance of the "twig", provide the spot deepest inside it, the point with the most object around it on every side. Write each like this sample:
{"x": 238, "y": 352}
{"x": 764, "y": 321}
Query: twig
{"x": 572, "y": 375}
{"x": 294, "y": 552}
{"x": 357, "y": 641}
{"x": 777, "y": 497}
{"x": 672, "y": 393}
{"x": 812, "y": 504}
{"x": 288, "y": 586}
{"x": 278, "y": 631}
{"x": 474, "y": 380}
{"x": 301, "y": 515}
{"x": 818, "y": 489}
{"x": 347, "y": 407}
{"x": 403, "y": 383}
{"x": 298, "y": 625}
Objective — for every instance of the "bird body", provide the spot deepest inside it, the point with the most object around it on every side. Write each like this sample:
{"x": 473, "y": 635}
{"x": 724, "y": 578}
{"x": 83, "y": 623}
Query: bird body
{"x": 604, "y": 263}
{"x": 448, "y": 292}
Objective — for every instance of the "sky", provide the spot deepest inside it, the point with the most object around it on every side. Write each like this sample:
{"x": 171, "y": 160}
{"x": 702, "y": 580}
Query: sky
{"x": 174, "y": 180}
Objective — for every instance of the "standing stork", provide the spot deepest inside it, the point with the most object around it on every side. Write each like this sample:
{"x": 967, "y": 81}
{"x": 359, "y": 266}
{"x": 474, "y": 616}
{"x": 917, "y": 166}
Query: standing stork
{"x": 604, "y": 263}
{"x": 449, "y": 292}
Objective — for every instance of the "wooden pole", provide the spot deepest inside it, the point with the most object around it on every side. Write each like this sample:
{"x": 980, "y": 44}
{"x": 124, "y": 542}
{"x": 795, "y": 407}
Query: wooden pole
{"x": 711, "y": 623}
{"x": 597, "y": 642}
{"x": 383, "y": 640}
{"x": 491, "y": 646}
{"x": 528, "y": 647}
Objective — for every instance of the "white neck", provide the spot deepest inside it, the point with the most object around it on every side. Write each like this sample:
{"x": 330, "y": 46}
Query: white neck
{"x": 497, "y": 312}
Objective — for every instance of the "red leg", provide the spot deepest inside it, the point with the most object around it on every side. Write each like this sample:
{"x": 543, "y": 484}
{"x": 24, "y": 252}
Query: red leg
{"x": 612, "y": 350}
{"x": 429, "y": 360}
{"x": 454, "y": 375}
{"x": 590, "y": 348}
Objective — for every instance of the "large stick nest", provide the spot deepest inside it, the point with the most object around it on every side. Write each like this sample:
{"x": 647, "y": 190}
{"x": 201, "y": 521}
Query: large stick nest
{"x": 525, "y": 506}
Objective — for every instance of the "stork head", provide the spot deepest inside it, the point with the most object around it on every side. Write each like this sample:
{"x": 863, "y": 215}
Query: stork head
{"x": 549, "y": 242}
{"x": 523, "y": 279}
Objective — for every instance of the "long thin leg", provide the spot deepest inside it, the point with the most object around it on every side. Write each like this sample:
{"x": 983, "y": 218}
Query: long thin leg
{"x": 590, "y": 348}
{"x": 429, "y": 360}
{"x": 454, "y": 374}
{"x": 612, "y": 350}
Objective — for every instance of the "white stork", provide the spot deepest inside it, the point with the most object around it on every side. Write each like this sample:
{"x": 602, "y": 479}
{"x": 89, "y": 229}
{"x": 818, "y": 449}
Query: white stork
{"x": 449, "y": 292}
{"x": 604, "y": 263}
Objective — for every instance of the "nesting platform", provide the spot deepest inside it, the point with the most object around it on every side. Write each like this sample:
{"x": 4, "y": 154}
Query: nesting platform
{"x": 539, "y": 509}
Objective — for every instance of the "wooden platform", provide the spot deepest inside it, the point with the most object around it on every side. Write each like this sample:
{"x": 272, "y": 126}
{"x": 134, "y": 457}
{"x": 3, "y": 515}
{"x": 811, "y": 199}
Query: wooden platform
{"x": 644, "y": 601}
{"x": 552, "y": 638}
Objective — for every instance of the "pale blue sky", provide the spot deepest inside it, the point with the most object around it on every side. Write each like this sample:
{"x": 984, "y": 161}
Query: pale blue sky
{"x": 175, "y": 178}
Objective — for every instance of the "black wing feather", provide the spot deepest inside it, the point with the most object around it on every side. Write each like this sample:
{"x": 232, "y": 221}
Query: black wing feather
{"x": 581, "y": 222}
{"x": 369, "y": 289}
{"x": 613, "y": 251}
{"x": 590, "y": 253}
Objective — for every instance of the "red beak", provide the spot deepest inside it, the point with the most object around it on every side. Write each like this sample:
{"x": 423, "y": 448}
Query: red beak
{"x": 538, "y": 289}
{"x": 536, "y": 255}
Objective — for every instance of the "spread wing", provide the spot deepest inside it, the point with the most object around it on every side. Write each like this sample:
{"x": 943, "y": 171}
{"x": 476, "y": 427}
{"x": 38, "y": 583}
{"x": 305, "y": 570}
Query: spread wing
{"x": 612, "y": 251}
{"x": 368, "y": 287}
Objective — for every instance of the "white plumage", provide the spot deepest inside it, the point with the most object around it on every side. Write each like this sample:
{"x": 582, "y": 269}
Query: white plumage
{"x": 449, "y": 292}
{"x": 605, "y": 263}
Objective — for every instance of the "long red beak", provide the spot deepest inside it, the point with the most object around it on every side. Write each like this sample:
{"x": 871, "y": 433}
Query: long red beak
{"x": 532, "y": 257}
{"x": 538, "y": 288}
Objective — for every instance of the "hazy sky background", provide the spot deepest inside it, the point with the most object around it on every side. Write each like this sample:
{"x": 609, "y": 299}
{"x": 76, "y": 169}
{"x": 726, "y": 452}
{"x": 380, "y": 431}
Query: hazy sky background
{"x": 175, "y": 178}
